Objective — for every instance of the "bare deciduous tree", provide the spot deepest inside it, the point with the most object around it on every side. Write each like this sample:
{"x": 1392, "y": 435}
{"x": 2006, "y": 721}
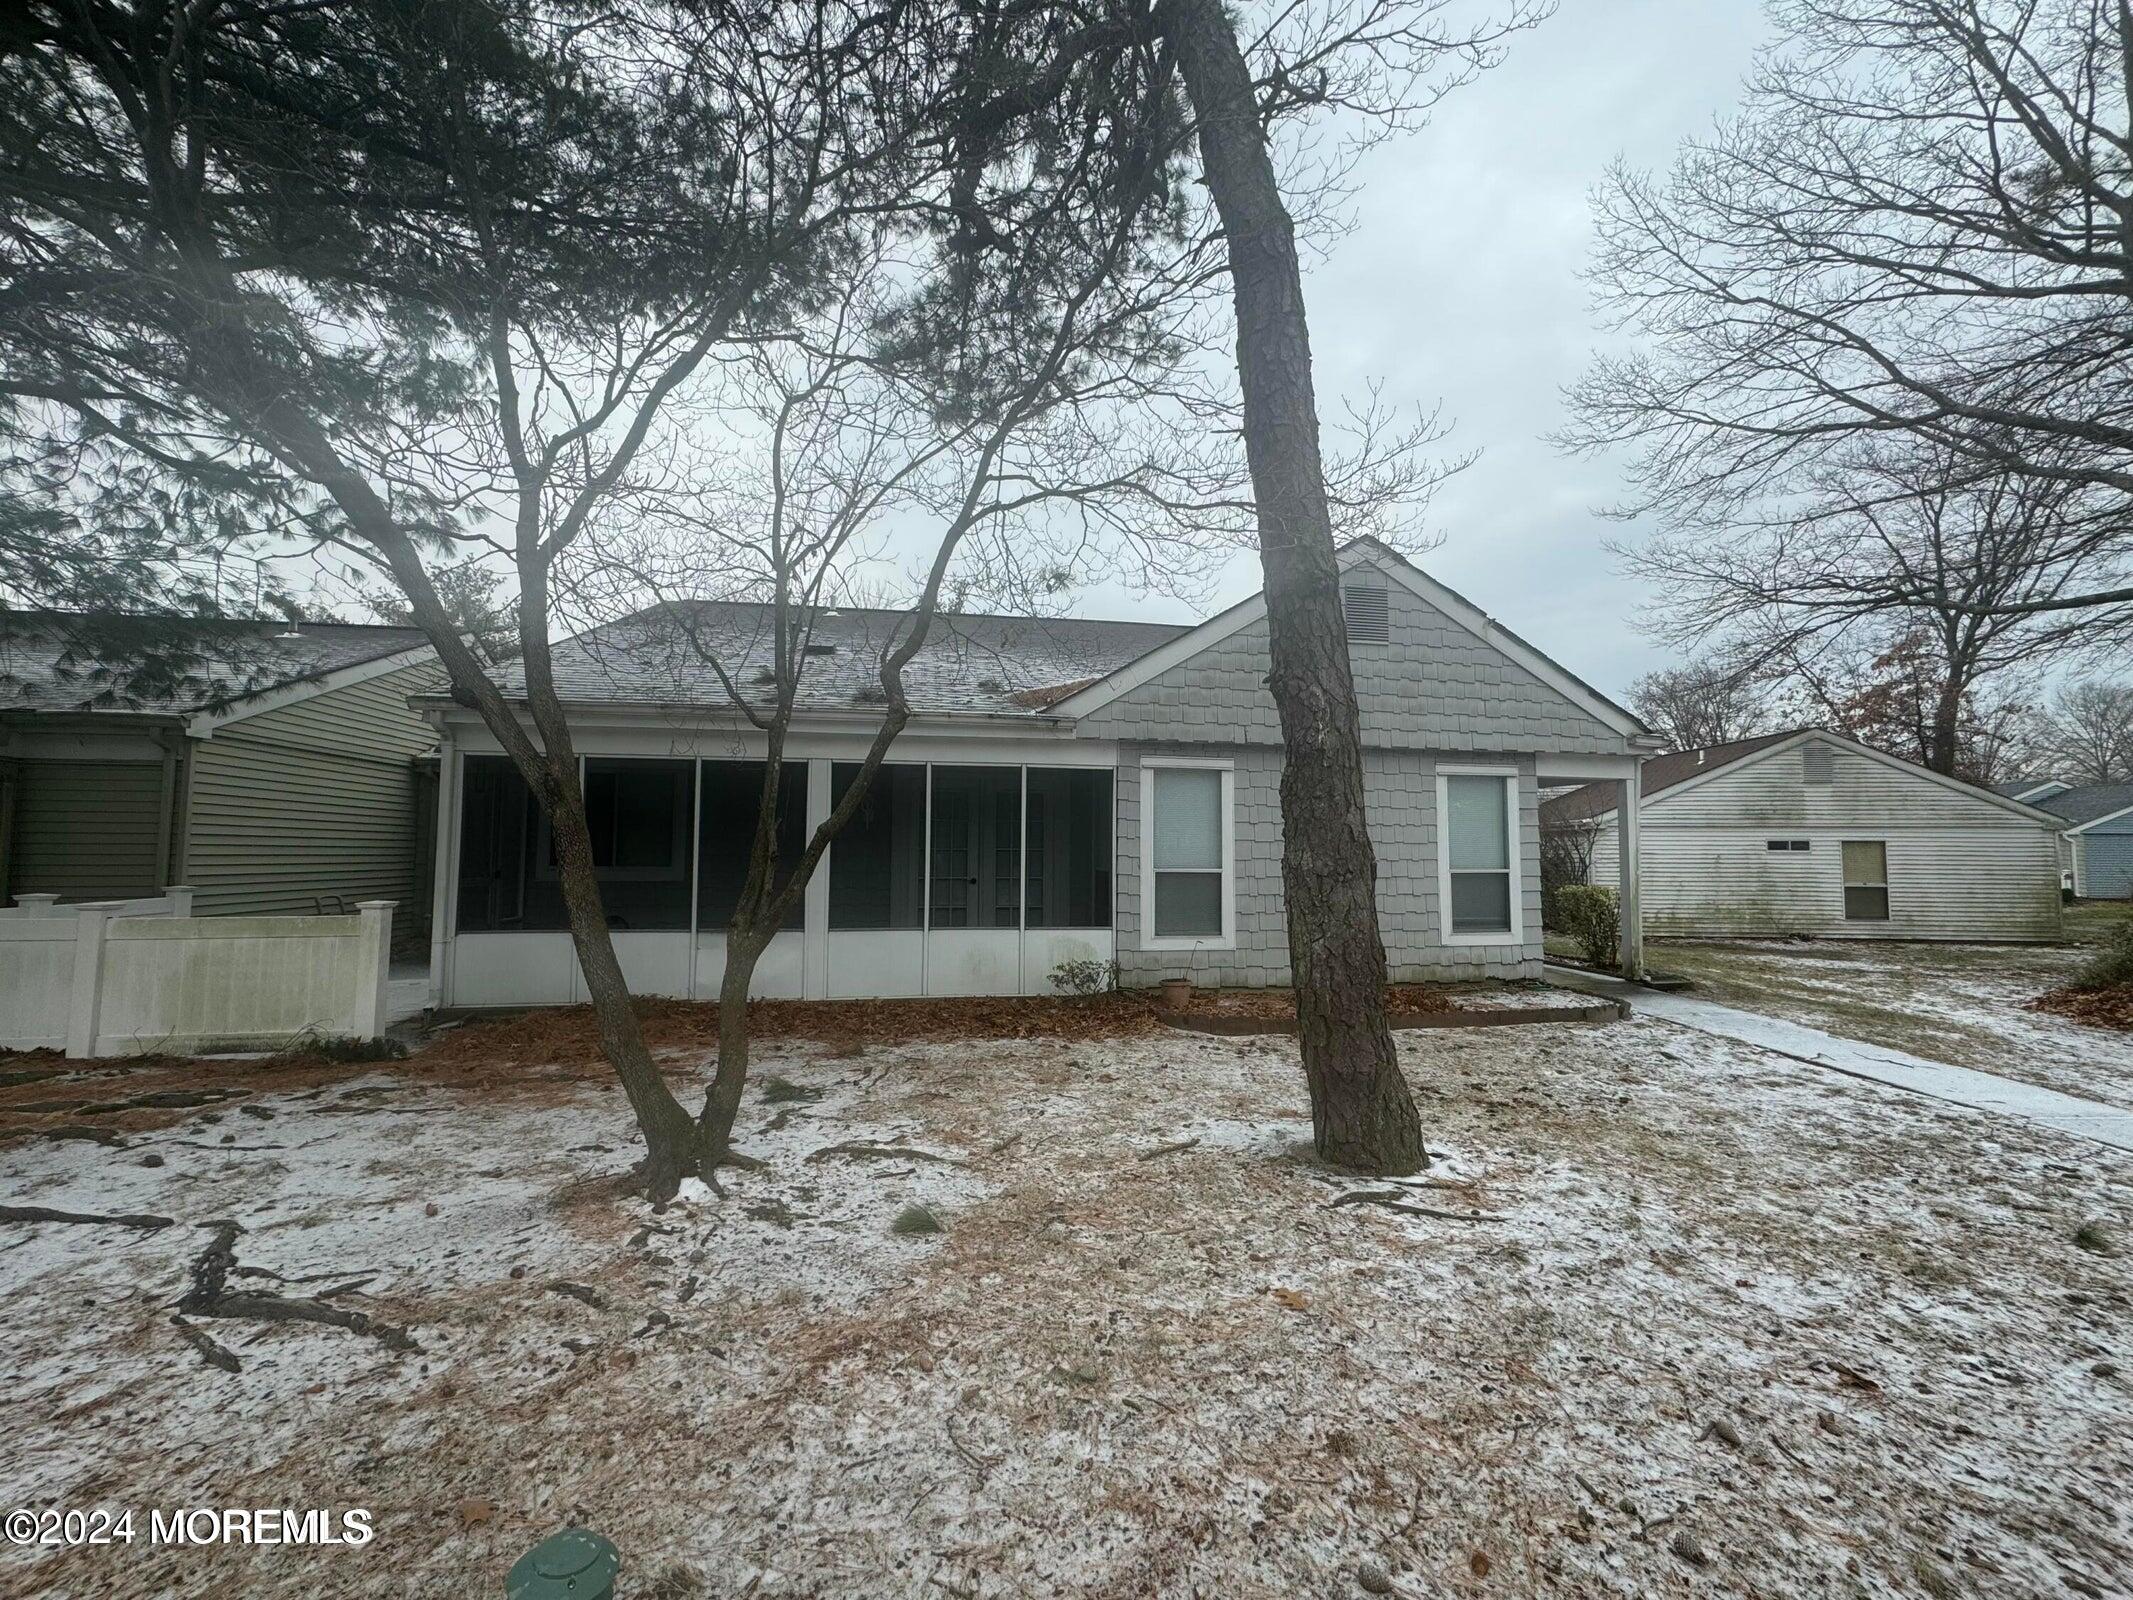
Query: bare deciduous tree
{"x": 1703, "y": 702}
{"x": 1891, "y": 562}
{"x": 1916, "y": 228}
{"x": 2087, "y": 735}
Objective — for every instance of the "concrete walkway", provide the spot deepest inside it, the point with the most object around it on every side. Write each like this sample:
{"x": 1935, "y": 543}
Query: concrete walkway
{"x": 407, "y": 990}
{"x": 1982, "y": 1091}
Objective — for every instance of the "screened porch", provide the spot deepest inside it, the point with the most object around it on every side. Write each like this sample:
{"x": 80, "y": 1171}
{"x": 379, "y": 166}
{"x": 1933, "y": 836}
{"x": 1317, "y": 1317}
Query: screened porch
{"x": 951, "y": 878}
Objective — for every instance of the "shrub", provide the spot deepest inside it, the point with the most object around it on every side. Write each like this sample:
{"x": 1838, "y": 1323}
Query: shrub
{"x": 2113, "y": 964}
{"x": 1565, "y": 859}
{"x": 1085, "y": 977}
{"x": 1588, "y": 913}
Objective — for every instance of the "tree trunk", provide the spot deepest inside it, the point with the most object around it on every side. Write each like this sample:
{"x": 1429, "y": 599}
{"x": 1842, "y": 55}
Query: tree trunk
{"x": 1362, "y": 1114}
{"x": 722, "y": 1103}
{"x": 1946, "y": 735}
{"x": 669, "y": 1133}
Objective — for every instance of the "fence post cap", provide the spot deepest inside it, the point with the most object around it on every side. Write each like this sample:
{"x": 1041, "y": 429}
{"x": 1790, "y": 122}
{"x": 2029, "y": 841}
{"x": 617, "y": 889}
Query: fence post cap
{"x": 177, "y": 888}
{"x": 376, "y": 905}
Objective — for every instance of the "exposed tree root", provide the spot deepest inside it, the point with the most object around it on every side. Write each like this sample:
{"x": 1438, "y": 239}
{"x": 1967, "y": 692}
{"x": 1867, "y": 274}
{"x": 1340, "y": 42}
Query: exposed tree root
{"x": 1395, "y": 1200}
{"x": 212, "y": 1352}
{"x": 161, "y": 1100}
{"x": 211, "y": 1296}
{"x": 75, "y": 1130}
{"x": 1168, "y": 1149}
{"x": 885, "y": 1152}
{"x": 129, "y": 1219}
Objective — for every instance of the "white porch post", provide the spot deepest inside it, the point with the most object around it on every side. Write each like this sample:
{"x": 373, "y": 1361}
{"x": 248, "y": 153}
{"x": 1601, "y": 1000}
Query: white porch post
{"x": 1632, "y": 911}
{"x": 444, "y": 866}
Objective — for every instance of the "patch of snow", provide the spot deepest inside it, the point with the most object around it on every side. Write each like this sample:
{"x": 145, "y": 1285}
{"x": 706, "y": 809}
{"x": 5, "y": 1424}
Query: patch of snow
{"x": 1112, "y": 1375}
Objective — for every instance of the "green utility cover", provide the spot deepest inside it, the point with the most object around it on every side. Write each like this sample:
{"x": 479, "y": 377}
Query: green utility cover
{"x": 576, "y": 1564}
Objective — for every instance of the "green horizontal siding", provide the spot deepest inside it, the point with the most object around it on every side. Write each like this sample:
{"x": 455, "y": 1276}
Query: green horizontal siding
{"x": 85, "y": 830}
{"x": 310, "y": 801}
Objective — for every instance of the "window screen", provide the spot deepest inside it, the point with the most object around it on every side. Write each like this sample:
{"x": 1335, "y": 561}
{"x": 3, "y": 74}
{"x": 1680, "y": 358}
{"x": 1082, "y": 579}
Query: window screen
{"x": 637, "y": 813}
{"x": 1477, "y": 834}
{"x": 1185, "y": 852}
{"x": 1866, "y": 880}
{"x": 498, "y": 826}
{"x": 977, "y": 848}
{"x": 878, "y": 863}
{"x": 1067, "y": 848}
{"x": 726, "y": 819}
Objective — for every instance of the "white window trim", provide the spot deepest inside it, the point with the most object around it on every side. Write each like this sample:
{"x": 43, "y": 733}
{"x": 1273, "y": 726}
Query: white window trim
{"x": 1228, "y": 939}
{"x": 1517, "y": 933}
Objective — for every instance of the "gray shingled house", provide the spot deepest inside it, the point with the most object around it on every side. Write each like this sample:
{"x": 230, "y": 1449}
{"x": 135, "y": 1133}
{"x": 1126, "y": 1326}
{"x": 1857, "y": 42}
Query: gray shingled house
{"x": 274, "y": 768}
{"x": 1066, "y": 791}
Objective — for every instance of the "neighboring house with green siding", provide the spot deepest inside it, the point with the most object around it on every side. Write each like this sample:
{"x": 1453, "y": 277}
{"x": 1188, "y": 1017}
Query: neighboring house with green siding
{"x": 272, "y": 768}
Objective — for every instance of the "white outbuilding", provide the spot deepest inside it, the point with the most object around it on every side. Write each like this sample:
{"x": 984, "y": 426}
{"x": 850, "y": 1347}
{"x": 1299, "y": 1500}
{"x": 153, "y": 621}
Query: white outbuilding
{"x": 1810, "y": 832}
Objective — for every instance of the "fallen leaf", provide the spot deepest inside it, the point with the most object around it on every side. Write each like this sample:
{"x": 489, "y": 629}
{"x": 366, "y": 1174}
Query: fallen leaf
{"x": 1479, "y": 1562}
{"x": 1294, "y": 1299}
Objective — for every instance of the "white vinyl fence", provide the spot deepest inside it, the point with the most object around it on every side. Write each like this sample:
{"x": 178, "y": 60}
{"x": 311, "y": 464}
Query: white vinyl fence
{"x": 126, "y": 977}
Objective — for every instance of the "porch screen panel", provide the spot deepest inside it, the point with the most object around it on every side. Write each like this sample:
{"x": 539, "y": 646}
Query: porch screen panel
{"x": 498, "y": 826}
{"x": 1068, "y": 848}
{"x": 639, "y": 814}
{"x": 878, "y": 863}
{"x": 1477, "y": 831}
{"x": 977, "y": 847}
{"x": 732, "y": 800}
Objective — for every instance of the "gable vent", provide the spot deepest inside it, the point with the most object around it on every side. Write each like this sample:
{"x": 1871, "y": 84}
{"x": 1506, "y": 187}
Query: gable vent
{"x": 1818, "y": 763}
{"x": 1367, "y": 609}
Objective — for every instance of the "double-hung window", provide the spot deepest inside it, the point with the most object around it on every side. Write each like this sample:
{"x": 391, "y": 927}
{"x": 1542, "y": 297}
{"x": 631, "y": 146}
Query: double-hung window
{"x": 1188, "y": 886}
{"x": 1866, "y": 880}
{"x": 1478, "y": 881}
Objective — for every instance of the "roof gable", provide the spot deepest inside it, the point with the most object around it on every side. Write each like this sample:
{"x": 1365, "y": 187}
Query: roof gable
{"x": 1455, "y": 676}
{"x": 1681, "y": 771}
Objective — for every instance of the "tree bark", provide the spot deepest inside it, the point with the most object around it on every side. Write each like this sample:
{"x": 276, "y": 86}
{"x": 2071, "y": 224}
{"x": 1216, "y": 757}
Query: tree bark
{"x": 670, "y": 1139}
{"x": 1362, "y": 1114}
{"x": 722, "y": 1102}
{"x": 1945, "y": 742}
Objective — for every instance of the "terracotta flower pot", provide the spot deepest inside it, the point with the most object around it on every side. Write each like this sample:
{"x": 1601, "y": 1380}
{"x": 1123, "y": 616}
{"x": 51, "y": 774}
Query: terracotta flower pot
{"x": 1177, "y": 993}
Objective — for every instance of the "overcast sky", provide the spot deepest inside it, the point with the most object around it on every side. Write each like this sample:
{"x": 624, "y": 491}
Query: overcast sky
{"x": 1460, "y": 283}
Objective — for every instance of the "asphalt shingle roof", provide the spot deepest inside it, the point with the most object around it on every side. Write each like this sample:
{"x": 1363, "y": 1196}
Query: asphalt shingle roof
{"x": 56, "y": 663}
{"x": 663, "y": 656}
{"x": 2089, "y": 803}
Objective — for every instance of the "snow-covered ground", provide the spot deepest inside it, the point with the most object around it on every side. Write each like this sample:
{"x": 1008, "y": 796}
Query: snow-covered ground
{"x": 1961, "y": 1004}
{"x": 1672, "y": 1299}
